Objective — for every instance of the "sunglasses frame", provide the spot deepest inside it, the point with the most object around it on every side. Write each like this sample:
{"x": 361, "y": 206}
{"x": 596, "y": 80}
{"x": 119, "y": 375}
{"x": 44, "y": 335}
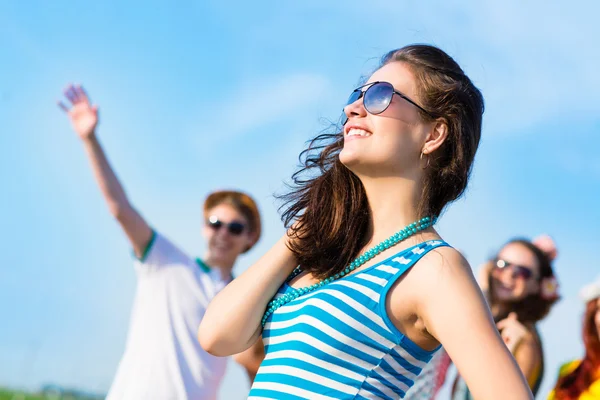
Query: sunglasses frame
{"x": 515, "y": 268}
{"x": 368, "y": 86}
{"x": 215, "y": 223}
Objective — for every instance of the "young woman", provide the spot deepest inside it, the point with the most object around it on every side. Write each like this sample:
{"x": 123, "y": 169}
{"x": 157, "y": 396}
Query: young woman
{"x": 358, "y": 319}
{"x": 521, "y": 288}
{"x": 163, "y": 359}
{"x": 580, "y": 379}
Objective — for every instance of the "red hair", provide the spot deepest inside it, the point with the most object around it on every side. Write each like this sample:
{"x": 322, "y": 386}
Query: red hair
{"x": 571, "y": 386}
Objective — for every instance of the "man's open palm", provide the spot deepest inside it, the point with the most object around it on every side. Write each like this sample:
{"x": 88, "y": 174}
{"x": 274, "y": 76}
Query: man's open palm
{"x": 83, "y": 115}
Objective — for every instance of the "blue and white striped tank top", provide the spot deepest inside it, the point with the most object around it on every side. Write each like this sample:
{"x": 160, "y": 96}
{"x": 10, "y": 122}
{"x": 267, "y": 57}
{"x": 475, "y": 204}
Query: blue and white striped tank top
{"x": 338, "y": 342}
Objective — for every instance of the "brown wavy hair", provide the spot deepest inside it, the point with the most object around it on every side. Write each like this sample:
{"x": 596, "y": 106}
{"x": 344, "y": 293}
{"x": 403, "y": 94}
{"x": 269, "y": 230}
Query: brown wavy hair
{"x": 571, "y": 386}
{"x": 326, "y": 208}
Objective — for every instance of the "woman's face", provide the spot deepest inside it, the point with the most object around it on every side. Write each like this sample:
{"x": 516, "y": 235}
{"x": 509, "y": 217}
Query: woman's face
{"x": 227, "y": 233}
{"x": 515, "y": 274}
{"x": 390, "y": 143}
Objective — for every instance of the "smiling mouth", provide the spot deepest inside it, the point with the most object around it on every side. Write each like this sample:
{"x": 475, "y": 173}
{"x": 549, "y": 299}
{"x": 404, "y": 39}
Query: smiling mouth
{"x": 222, "y": 246}
{"x": 506, "y": 288}
{"x": 502, "y": 286}
{"x": 356, "y": 132}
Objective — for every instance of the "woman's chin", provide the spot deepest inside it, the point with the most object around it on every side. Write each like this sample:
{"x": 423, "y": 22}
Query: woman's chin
{"x": 504, "y": 296}
{"x": 220, "y": 254}
{"x": 360, "y": 163}
{"x": 349, "y": 157}
{"x": 509, "y": 298}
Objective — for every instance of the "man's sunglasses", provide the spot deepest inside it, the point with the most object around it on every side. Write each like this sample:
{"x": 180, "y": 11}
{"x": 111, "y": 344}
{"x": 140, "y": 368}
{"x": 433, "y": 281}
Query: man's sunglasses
{"x": 235, "y": 228}
{"x": 377, "y": 97}
{"x": 518, "y": 271}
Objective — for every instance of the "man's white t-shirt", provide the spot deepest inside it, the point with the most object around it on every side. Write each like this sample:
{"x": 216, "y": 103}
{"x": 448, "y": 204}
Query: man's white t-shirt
{"x": 163, "y": 359}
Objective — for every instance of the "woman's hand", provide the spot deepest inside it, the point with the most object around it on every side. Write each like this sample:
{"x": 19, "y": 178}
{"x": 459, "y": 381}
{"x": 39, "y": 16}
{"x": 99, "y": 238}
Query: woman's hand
{"x": 512, "y": 331}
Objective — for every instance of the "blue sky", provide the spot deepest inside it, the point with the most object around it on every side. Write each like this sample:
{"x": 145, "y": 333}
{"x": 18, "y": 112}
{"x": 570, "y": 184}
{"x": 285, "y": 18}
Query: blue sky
{"x": 196, "y": 96}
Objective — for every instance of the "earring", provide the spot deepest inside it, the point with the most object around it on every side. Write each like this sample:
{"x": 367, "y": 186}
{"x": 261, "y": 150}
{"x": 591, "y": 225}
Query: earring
{"x": 428, "y": 159}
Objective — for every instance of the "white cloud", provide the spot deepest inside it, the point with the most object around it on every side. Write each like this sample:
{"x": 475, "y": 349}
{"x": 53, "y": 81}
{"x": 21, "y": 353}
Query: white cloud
{"x": 540, "y": 63}
{"x": 534, "y": 61}
{"x": 257, "y": 104}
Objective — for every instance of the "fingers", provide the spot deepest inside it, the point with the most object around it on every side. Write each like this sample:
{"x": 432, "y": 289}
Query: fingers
{"x": 69, "y": 93}
{"x": 502, "y": 324}
{"x": 510, "y": 320}
{"x": 507, "y": 335}
{"x": 63, "y": 106}
{"x": 75, "y": 94}
{"x": 81, "y": 93}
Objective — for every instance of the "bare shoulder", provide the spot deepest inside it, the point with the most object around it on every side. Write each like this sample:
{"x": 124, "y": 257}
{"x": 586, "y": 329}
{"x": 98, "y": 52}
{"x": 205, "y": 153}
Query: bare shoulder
{"x": 529, "y": 345}
{"x": 443, "y": 278}
{"x": 438, "y": 285}
{"x": 442, "y": 270}
{"x": 441, "y": 266}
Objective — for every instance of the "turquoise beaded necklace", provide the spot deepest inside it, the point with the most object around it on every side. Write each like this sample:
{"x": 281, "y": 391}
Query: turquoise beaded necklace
{"x": 393, "y": 240}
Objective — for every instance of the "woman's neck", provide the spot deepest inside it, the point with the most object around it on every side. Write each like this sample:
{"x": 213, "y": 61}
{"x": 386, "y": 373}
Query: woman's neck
{"x": 225, "y": 266}
{"x": 393, "y": 204}
{"x": 502, "y": 310}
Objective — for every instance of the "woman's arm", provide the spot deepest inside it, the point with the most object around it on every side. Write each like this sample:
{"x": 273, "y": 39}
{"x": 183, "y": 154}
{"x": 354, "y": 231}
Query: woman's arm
{"x": 528, "y": 357}
{"x": 251, "y": 358}
{"x": 522, "y": 343}
{"x": 232, "y": 322}
{"x": 456, "y": 314}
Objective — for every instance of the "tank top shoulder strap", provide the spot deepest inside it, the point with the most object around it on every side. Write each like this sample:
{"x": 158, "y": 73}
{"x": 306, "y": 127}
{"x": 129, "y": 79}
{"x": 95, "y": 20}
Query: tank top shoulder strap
{"x": 390, "y": 271}
{"x": 404, "y": 260}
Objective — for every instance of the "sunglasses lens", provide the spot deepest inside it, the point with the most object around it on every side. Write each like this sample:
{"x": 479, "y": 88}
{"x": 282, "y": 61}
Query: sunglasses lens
{"x": 355, "y": 95}
{"x": 517, "y": 270}
{"x": 522, "y": 272}
{"x": 235, "y": 228}
{"x": 215, "y": 223}
{"x": 378, "y": 97}
{"x": 343, "y": 119}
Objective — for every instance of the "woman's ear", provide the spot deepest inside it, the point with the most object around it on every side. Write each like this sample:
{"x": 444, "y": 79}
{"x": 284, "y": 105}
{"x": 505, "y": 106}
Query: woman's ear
{"x": 435, "y": 138}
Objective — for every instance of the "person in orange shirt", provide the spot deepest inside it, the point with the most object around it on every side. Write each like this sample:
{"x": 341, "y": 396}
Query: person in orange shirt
{"x": 580, "y": 379}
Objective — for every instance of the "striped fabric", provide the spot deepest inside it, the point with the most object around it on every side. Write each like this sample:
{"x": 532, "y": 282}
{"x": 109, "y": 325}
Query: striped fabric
{"x": 337, "y": 342}
{"x": 432, "y": 378}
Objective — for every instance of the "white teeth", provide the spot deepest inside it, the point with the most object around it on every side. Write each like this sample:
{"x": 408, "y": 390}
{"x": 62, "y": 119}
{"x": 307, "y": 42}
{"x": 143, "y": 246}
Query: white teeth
{"x": 358, "y": 132}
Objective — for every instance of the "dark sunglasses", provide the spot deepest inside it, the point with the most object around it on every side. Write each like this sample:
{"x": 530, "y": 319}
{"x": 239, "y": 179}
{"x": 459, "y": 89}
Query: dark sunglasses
{"x": 235, "y": 228}
{"x": 377, "y": 98}
{"x": 518, "y": 271}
